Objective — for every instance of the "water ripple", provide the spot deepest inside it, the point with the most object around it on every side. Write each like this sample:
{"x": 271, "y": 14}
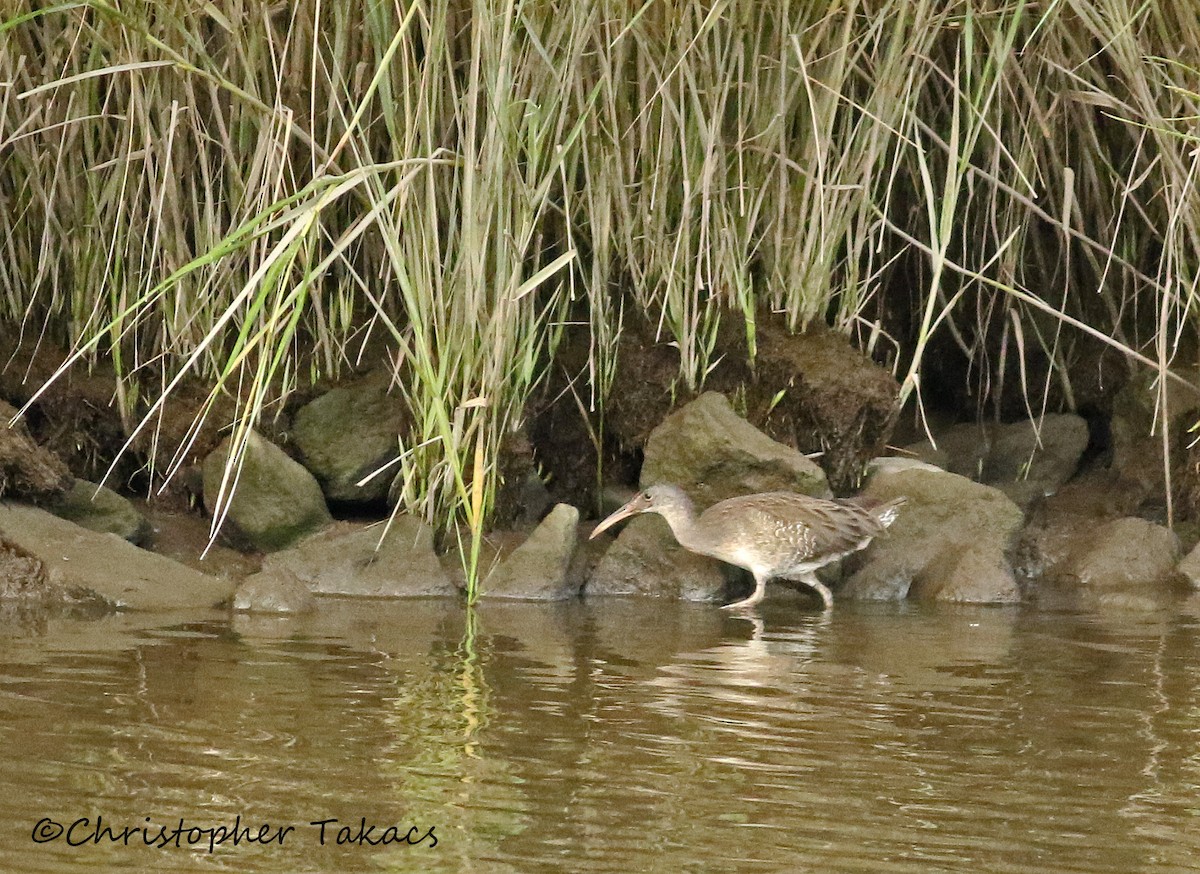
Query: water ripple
{"x": 626, "y": 738}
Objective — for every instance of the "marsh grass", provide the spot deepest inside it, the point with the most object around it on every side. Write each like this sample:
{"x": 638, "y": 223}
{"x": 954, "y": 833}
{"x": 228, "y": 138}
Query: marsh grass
{"x": 246, "y": 193}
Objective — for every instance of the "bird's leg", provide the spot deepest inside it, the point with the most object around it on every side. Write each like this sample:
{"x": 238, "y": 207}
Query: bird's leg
{"x": 810, "y": 579}
{"x": 760, "y": 589}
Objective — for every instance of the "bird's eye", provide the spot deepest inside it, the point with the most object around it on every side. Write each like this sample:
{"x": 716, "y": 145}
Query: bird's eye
{"x": 645, "y": 496}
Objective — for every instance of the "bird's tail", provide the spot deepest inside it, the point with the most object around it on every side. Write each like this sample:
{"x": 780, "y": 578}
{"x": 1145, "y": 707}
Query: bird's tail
{"x": 885, "y": 512}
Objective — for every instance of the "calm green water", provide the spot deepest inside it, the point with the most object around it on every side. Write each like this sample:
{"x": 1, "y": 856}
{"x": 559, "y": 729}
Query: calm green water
{"x": 616, "y": 736}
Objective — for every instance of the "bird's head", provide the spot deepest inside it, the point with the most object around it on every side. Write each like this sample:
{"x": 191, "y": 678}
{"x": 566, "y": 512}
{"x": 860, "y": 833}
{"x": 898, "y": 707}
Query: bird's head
{"x": 665, "y": 499}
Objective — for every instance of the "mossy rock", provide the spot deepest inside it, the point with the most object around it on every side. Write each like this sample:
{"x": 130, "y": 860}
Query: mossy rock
{"x": 276, "y": 501}
{"x": 348, "y": 433}
{"x": 99, "y": 508}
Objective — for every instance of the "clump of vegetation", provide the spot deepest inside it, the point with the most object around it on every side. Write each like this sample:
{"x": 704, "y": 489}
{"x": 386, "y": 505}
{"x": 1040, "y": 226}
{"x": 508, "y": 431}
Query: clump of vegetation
{"x": 248, "y": 193}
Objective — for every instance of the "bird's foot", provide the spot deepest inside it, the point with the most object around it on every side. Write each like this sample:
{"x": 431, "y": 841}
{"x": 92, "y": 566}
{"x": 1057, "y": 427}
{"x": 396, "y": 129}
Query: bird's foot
{"x": 823, "y": 591}
{"x": 810, "y": 580}
{"x": 747, "y": 604}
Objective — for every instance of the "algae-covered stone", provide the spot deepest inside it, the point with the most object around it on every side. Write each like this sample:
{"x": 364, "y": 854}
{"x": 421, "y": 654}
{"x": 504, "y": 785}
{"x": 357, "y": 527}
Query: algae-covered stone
{"x": 1025, "y": 460}
{"x": 646, "y": 560}
{"x": 713, "y": 454}
{"x": 977, "y": 574}
{"x": 1128, "y": 554}
{"x": 106, "y": 566}
{"x": 273, "y": 593}
{"x": 23, "y": 575}
{"x": 537, "y": 569}
{"x": 1189, "y": 567}
{"x": 348, "y": 433}
{"x": 276, "y": 501}
{"x": 99, "y": 508}
{"x": 948, "y": 542}
{"x": 347, "y": 559}
{"x": 1034, "y": 458}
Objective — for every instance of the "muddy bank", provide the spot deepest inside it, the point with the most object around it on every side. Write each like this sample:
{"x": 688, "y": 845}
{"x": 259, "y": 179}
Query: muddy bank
{"x": 1037, "y": 511}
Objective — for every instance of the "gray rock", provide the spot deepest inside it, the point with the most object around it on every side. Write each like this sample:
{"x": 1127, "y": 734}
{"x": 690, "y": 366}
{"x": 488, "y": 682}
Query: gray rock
{"x": 348, "y": 433}
{"x": 588, "y": 555}
{"x": 1083, "y": 548}
{"x": 99, "y": 508}
{"x": 273, "y": 593}
{"x": 888, "y": 579}
{"x": 1029, "y": 460}
{"x": 897, "y": 463}
{"x": 978, "y": 574}
{"x": 343, "y": 560}
{"x": 1189, "y": 567}
{"x": 962, "y": 449}
{"x": 1026, "y": 460}
{"x": 276, "y": 501}
{"x": 104, "y": 564}
{"x": 712, "y": 453}
{"x": 947, "y": 544}
{"x": 1048, "y": 540}
{"x": 534, "y": 498}
{"x": 1127, "y": 555}
{"x": 646, "y": 560}
{"x": 537, "y": 569}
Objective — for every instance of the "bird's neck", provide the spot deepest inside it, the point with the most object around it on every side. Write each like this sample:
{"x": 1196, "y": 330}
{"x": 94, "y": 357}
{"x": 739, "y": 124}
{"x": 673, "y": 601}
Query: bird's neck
{"x": 682, "y": 519}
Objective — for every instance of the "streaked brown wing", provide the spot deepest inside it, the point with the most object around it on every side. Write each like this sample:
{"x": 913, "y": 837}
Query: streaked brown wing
{"x": 785, "y": 527}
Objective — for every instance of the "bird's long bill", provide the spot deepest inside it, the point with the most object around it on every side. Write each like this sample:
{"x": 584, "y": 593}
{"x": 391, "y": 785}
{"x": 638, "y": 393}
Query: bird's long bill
{"x": 637, "y": 505}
